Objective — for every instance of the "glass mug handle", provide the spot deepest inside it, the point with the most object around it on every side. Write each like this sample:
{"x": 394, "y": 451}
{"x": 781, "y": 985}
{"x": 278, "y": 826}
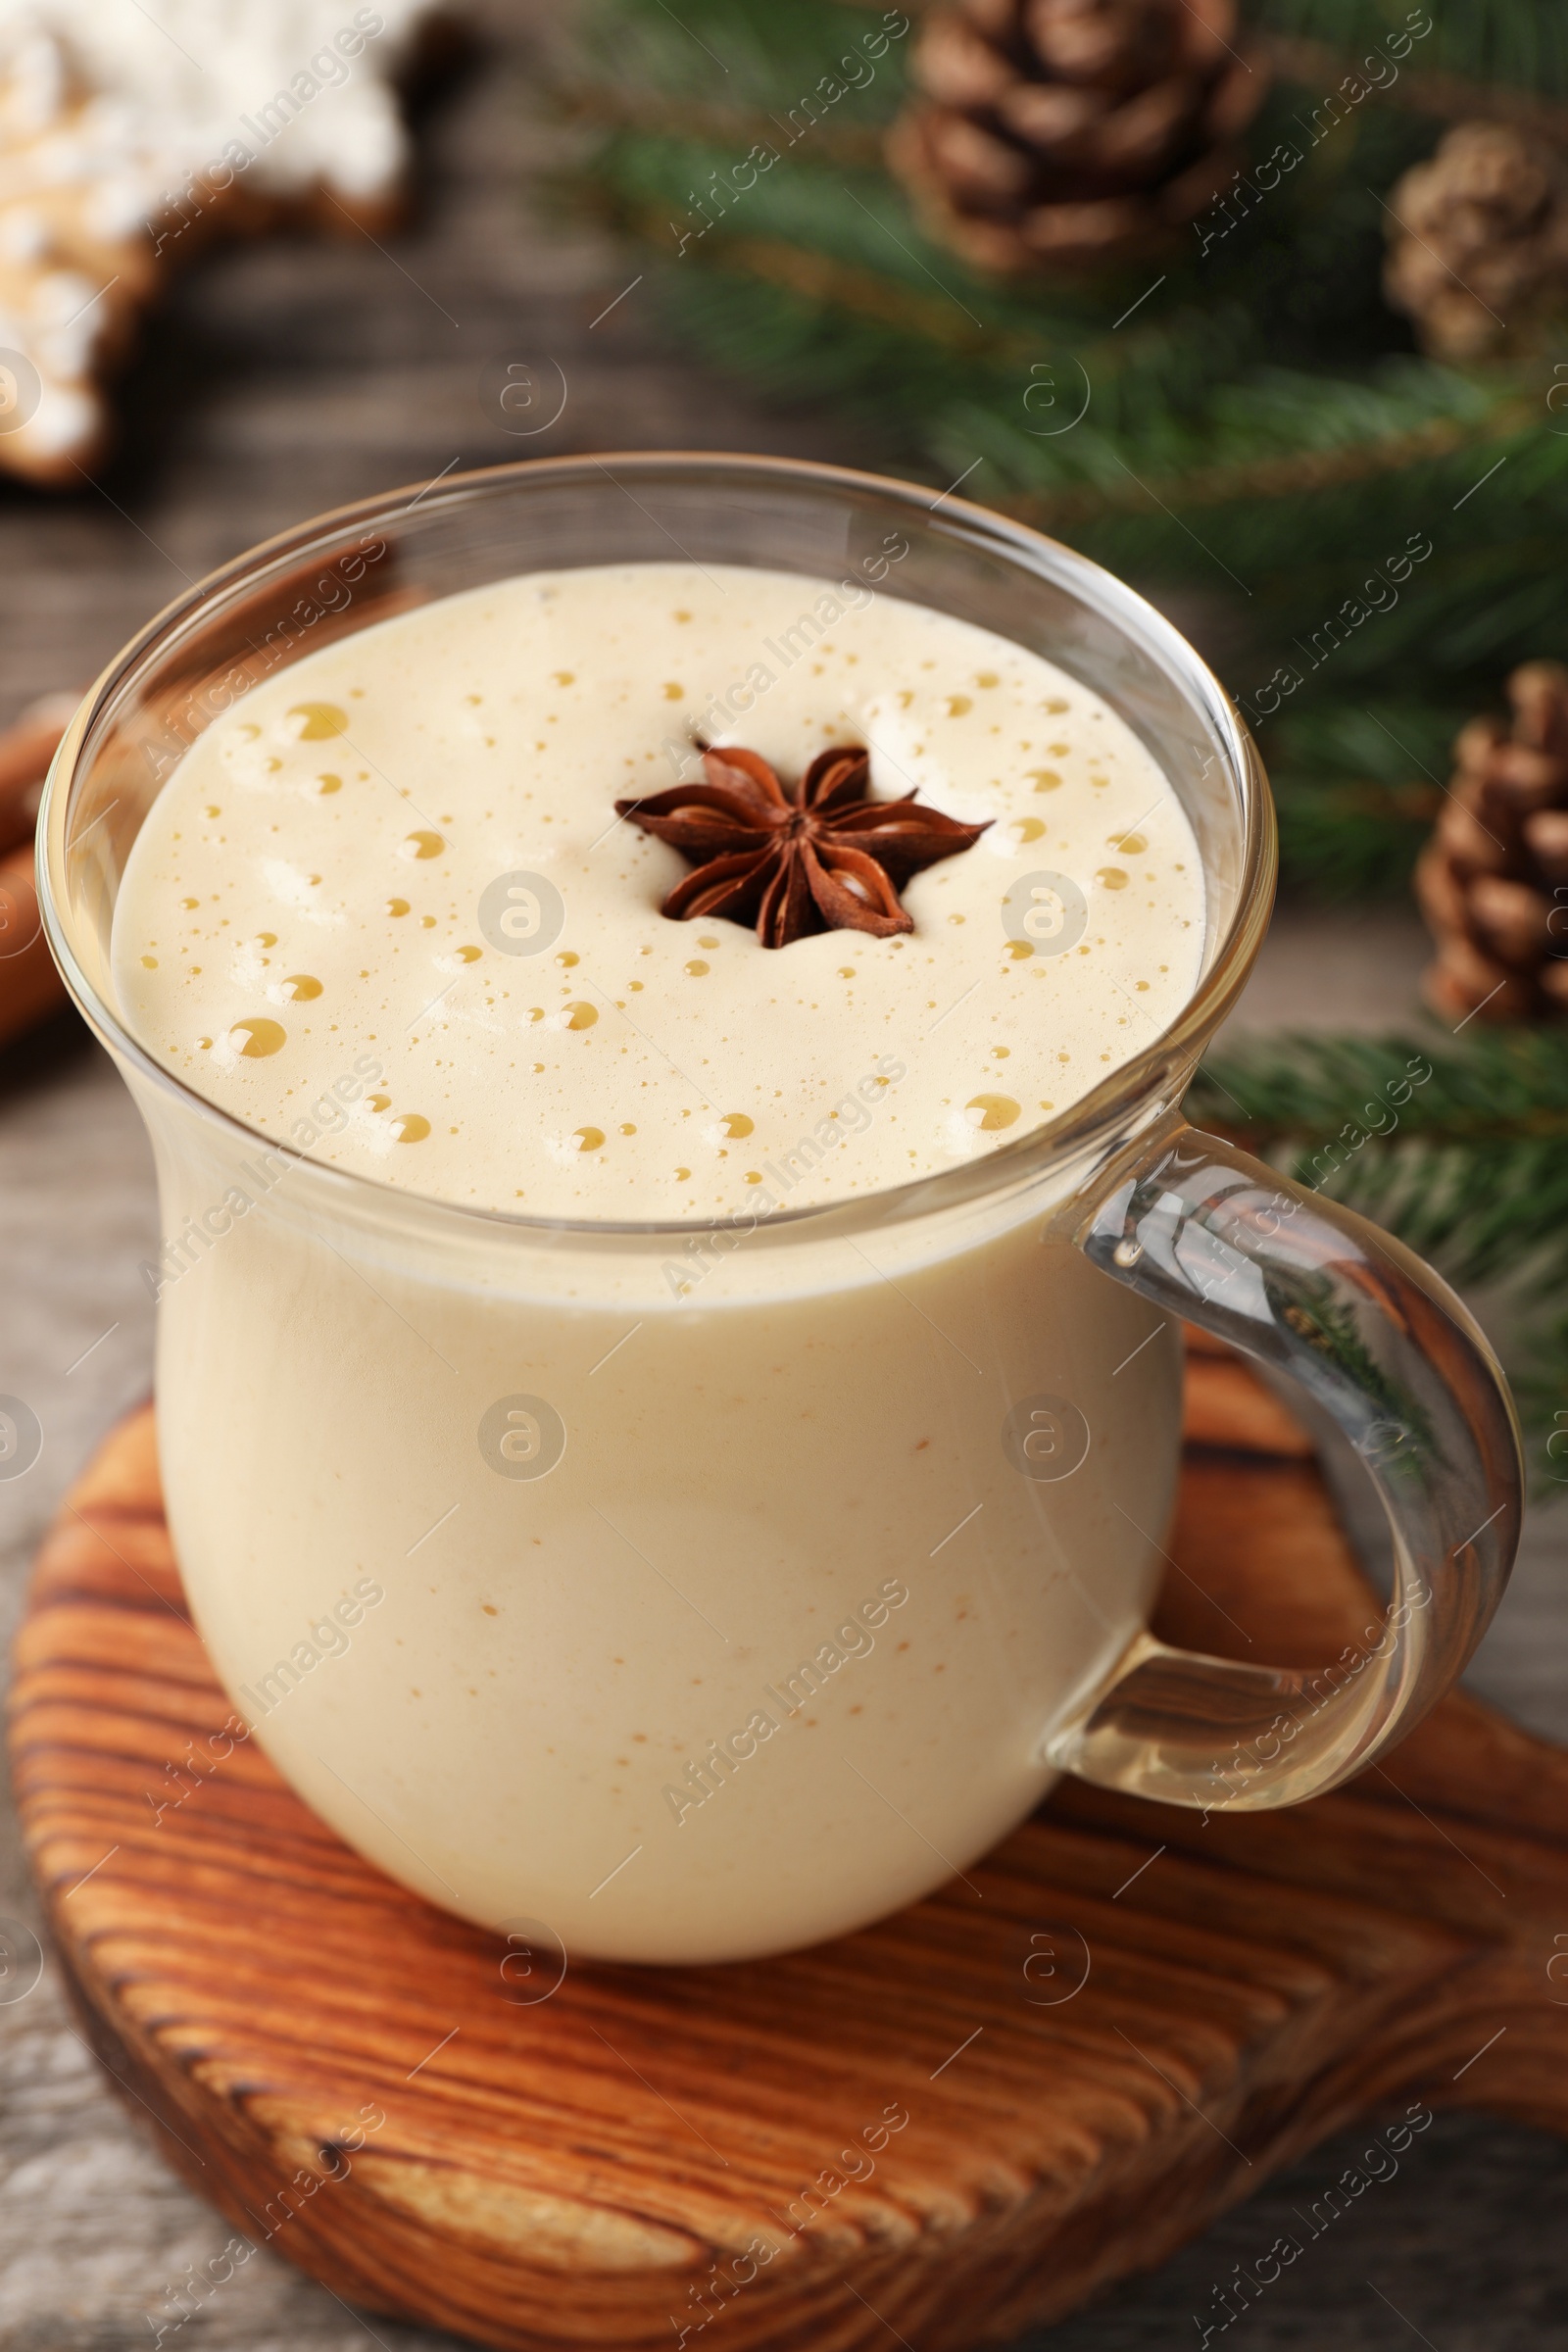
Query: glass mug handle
{"x": 1205, "y": 1231}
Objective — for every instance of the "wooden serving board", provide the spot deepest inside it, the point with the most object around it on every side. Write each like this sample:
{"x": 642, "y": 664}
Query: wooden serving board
{"x": 956, "y": 2125}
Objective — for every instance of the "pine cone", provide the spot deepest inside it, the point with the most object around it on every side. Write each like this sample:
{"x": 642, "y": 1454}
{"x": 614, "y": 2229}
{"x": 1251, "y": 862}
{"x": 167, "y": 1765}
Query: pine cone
{"x": 1493, "y": 881}
{"x": 1478, "y": 242}
{"x": 1062, "y": 132}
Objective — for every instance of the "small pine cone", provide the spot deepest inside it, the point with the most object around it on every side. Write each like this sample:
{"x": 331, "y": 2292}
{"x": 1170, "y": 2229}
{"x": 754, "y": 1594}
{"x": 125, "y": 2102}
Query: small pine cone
{"x": 1493, "y": 880}
{"x": 1056, "y": 134}
{"x": 1478, "y": 242}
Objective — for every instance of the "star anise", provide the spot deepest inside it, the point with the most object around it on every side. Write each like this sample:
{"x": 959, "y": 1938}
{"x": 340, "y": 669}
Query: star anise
{"x": 818, "y": 856}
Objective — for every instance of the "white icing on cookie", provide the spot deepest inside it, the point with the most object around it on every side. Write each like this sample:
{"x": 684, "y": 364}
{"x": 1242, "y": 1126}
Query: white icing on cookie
{"x": 121, "y": 137}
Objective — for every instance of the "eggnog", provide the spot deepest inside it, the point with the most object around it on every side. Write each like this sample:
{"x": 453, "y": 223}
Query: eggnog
{"x": 732, "y": 1575}
{"x": 312, "y": 883}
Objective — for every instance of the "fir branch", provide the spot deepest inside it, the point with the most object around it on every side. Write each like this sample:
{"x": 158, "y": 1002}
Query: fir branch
{"x": 731, "y": 131}
{"x": 819, "y": 279}
{"x": 1260, "y": 434}
{"x": 1452, "y": 97}
{"x": 1519, "y": 45}
{"x": 1356, "y": 785}
{"x": 1305, "y": 1300}
{"x": 1353, "y": 838}
{"x": 1467, "y": 1166}
{"x": 1302, "y": 472}
{"x": 1539, "y": 1381}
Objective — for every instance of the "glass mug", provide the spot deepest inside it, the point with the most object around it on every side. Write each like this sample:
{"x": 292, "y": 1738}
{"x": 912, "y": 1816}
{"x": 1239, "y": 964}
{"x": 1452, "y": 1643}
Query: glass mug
{"x": 696, "y": 1592}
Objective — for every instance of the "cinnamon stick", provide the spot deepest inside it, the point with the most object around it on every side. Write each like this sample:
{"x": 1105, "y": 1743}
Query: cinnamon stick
{"x": 26, "y": 751}
{"x": 29, "y": 985}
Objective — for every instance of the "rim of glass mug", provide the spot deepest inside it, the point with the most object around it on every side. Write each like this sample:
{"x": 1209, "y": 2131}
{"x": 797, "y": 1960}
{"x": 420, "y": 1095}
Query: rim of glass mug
{"x": 1191, "y": 1223}
{"x": 1150, "y": 1079}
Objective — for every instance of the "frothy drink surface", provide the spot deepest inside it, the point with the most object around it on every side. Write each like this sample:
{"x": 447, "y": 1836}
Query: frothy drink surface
{"x": 308, "y": 895}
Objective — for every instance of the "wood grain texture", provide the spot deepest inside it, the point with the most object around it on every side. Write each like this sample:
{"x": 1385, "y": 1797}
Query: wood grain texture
{"x": 1144, "y": 2015}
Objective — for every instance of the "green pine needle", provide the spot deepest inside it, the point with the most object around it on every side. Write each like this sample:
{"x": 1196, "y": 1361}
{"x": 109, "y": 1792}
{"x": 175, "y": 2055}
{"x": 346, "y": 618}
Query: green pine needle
{"x": 1245, "y": 425}
{"x": 1245, "y": 422}
{"x": 1462, "y": 1151}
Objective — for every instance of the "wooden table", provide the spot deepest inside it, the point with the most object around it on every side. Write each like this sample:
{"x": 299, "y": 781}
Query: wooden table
{"x": 282, "y": 379}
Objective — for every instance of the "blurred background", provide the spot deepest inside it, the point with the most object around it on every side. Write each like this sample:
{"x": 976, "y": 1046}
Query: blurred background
{"x": 1255, "y": 385}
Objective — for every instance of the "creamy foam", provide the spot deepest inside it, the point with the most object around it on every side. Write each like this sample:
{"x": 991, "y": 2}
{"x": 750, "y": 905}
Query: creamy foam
{"x": 303, "y": 934}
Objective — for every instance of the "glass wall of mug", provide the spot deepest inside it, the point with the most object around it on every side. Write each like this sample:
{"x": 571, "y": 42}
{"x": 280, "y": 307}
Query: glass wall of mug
{"x": 693, "y": 1590}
